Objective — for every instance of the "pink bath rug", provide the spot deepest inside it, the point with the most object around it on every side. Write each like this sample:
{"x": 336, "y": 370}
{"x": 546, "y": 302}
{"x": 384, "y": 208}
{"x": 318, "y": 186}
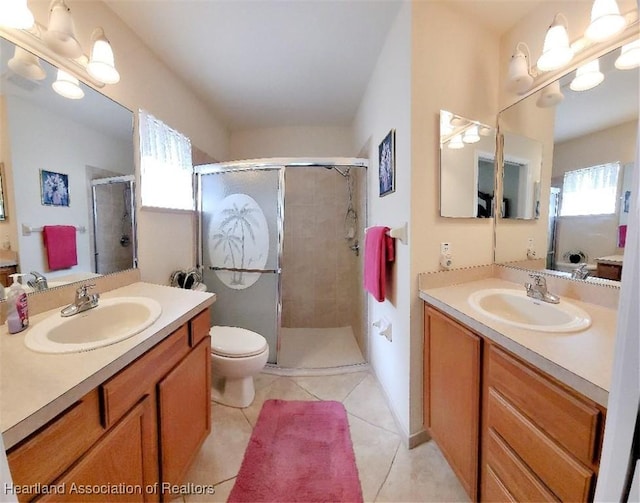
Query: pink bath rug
{"x": 299, "y": 451}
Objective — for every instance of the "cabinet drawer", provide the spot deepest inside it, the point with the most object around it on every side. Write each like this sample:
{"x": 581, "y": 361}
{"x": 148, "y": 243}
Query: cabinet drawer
{"x": 565, "y": 477}
{"x": 124, "y": 390}
{"x": 609, "y": 271}
{"x": 47, "y": 453}
{"x": 495, "y": 491}
{"x": 512, "y": 473}
{"x": 571, "y": 422}
{"x": 199, "y": 327}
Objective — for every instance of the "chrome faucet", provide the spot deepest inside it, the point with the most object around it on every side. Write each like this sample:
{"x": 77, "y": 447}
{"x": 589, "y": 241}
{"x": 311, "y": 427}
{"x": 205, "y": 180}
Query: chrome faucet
{"x": 82, "y": 302}
{"x": 538, "y": 289}
{"x": 580, "y": 272}
{"x": 39, "y": 282}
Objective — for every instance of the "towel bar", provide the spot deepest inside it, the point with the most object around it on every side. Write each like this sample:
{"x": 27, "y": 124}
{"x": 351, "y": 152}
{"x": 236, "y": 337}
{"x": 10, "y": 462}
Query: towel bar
{"x": 28, "y": 230}
{"x": 399, "y": 233}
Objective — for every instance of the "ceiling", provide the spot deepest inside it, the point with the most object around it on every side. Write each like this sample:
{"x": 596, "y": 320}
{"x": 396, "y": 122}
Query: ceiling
{"x": 269, "y": 63}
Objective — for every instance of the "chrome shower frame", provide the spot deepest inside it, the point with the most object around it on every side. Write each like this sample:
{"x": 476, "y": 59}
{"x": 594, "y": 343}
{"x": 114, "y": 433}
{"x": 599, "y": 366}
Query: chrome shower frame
{"x": 339, "y": 164}
{"x": 130, "y": 179}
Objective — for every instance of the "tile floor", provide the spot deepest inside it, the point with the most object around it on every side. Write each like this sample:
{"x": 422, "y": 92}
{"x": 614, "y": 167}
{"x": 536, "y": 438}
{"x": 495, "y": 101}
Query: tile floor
{"x": 388, "y": 471}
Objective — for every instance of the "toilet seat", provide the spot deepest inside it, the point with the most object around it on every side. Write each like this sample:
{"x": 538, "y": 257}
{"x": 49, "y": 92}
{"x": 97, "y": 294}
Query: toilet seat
{"x": 236, "y": 342}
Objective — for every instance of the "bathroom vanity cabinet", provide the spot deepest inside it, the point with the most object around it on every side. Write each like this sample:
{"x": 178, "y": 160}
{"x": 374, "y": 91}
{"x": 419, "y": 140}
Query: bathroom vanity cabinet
{"x": 509, "y": 431}
{"x": 130, "y": 437}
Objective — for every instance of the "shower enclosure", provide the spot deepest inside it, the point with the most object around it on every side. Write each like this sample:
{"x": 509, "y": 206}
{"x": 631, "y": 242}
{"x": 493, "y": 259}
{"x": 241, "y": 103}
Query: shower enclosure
{"x": 279, "y": 243}
{"x": 113, "y": 208}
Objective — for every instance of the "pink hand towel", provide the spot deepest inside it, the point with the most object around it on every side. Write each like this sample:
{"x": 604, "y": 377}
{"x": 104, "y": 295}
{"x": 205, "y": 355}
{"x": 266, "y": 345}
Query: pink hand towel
{"x": 60, "y": 242}
{"x": 378, "y": 251}
{"x": 622, "y": 236}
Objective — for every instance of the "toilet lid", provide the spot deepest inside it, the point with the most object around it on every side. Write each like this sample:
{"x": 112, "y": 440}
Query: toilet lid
{"x": 236, "y": 342}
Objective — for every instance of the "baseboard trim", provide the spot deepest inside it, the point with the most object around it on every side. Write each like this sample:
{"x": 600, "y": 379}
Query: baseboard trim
{"x": 418, "y": 438}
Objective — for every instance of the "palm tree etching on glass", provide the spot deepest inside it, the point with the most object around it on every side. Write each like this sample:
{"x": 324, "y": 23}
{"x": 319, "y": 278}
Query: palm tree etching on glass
{"x": 232, "y": 236}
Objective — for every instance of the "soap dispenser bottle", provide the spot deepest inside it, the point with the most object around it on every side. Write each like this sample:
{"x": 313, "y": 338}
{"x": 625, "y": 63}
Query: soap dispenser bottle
{"x": 18, "y": 310}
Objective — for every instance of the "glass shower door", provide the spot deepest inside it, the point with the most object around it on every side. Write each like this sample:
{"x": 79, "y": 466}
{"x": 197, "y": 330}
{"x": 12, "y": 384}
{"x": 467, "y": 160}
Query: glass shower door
{"x": 241, "y": 235}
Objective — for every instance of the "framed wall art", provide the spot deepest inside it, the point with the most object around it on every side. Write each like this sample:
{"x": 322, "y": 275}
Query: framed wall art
{"x": 387, "y": 164}
{"x": 54, "y": 188}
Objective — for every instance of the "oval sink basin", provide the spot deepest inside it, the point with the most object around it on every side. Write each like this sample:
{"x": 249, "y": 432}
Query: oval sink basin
{"x": 515, "y": 308}
{"x": 114, "y": 320}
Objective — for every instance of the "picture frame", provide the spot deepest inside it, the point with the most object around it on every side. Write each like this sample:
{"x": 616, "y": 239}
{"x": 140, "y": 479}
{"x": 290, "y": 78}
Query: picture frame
{"x": 54, "y": 188}
{"x": 626, "y": 201}
{"x": 387, "y": 164}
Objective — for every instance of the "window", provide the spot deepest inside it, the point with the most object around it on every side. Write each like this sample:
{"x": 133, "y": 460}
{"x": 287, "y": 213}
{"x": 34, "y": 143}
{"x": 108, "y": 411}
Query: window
{"x": 166, "y": 170}
{"x": 590, "y": 191}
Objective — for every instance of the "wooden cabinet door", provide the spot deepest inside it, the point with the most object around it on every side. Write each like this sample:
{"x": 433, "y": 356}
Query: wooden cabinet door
{"x": 452, "y": 374}
{"x": 184, "y": 401}
{"x": 113, "y": 469}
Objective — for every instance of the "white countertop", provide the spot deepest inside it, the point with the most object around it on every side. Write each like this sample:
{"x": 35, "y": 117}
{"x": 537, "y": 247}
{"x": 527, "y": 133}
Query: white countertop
{"x": 581, "y": 360}
{"x": 611, "y": 259}
{"x": 35, "y": 387}
{"x": 8, "y": 262}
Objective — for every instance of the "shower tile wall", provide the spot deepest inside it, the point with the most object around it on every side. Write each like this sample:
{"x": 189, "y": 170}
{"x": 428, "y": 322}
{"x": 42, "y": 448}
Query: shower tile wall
{"x": 321, "y": 276}
{"x": 112, "y": 255}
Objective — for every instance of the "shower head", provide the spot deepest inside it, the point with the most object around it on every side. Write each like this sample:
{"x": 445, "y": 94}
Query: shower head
{"x": 344, "y": 173}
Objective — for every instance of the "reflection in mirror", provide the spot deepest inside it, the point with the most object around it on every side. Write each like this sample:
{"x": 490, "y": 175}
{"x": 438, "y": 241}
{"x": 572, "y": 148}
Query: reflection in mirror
{"x": 467, "y": 159}
{"x": 56, "y": 152}
{"x": 521, "y": 169}
{"x": 586, "y": 174}
{"x": 3, "y": 211}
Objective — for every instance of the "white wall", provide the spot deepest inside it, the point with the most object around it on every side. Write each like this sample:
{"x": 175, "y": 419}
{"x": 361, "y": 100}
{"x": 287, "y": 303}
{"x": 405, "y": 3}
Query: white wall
{"x": 166, "y": 239}
{"x": 303, "y": 141}
{"x": 39, "y": 140}
{"x": 386, "y": 105}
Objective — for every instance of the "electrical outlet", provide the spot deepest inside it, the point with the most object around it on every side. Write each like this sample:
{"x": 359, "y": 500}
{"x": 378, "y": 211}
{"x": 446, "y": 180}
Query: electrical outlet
{"x": 445, "y": 249}
{"x": 530, "y": 244}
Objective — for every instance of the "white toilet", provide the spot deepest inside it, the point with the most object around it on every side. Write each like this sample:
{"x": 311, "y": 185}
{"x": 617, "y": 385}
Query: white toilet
{"x": 237, "y": 354}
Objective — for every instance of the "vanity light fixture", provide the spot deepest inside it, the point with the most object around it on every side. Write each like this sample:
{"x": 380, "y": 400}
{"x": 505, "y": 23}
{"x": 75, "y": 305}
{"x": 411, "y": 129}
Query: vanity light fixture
{"x": 26, "y": 65}
{"x": 101, "y": 62}
{"x": 520, "y": 74}
{"x": 68, "y": 86}
{"x": 471, "y": 134}
{"x": 445, "y": 123}
{"x": 456, "y": 142}
{"x": 550, "y": 96}
{"x": 15, "y": 14}
{"x": 629, "y": 56}
{"x": 587, "y": 76}
{"x": 606, "y": 20}
{"x": 556, "y": 51}
{"x": 61, "y": 32}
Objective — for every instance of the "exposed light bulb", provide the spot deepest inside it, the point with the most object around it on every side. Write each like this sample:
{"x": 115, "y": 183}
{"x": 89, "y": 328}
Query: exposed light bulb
{"x": 556, "y": 51}
{"x": 606, "y": 20}
{"x": 587, "y": 76}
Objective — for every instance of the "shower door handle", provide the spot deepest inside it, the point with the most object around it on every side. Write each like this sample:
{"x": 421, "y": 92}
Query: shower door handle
{"x": 235, "y": 269}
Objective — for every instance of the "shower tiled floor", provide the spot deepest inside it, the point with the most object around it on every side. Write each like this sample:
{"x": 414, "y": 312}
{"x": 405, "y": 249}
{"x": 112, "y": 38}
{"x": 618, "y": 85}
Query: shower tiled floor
{"x": 316, "y": 348}
{"x": 389, "y": 472}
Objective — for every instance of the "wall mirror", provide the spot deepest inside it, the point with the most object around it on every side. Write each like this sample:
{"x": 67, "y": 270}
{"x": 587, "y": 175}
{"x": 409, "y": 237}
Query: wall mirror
{"x": 587, "y": 140}
{"x": 66, "y": 162}
{"x": 467, "y": 159}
